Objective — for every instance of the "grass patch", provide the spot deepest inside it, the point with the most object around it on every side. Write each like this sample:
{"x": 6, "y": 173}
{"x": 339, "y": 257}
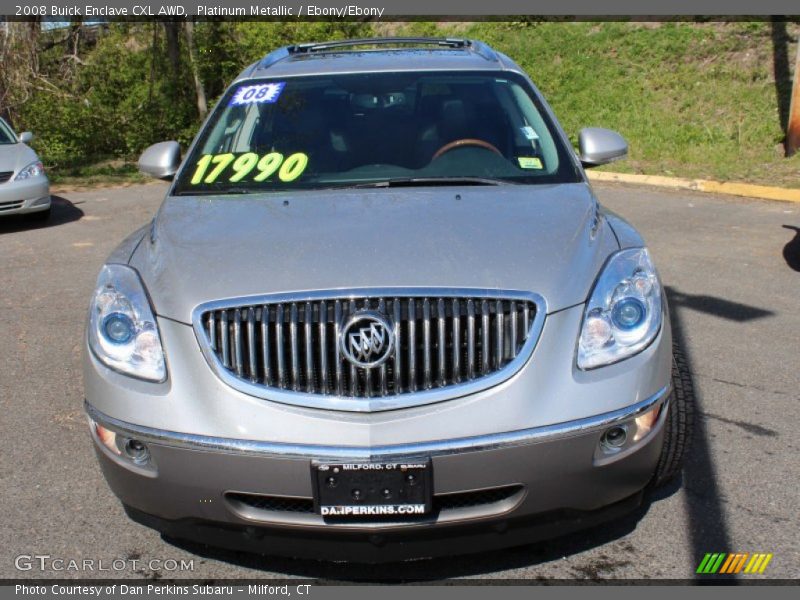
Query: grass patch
{"x": 103, "y": 173}
{"x": 693, "y": 99}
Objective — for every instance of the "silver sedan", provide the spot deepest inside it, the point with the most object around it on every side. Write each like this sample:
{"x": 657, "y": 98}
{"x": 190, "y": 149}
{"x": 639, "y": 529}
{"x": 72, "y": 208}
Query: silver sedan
{"x": 24, "y": 187}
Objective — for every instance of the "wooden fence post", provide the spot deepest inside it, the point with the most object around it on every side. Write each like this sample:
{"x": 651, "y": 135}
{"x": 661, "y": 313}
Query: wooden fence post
{"x": 793, "y": 127}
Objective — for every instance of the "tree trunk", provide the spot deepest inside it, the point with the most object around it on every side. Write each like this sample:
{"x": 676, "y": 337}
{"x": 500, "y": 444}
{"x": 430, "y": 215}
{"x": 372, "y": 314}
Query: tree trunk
{"x": 74, "y": 42}
{"x": 173, "y": 31}
{"x": 202, "y": 104}
{"x": 4, "y": 40}
{"x": 153, "y": 52}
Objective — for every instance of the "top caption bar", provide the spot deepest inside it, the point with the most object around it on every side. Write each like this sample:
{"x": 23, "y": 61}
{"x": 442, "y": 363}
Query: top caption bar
{"x": 385, "y": 9}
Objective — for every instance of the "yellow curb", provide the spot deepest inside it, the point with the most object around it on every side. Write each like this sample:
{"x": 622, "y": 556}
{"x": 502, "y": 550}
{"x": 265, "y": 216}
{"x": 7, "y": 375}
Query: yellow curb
{"x": 748, "y": 190}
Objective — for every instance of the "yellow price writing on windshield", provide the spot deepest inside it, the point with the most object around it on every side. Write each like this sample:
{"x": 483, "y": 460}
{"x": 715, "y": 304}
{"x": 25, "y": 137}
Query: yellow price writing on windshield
{"x": 211, "y": 166}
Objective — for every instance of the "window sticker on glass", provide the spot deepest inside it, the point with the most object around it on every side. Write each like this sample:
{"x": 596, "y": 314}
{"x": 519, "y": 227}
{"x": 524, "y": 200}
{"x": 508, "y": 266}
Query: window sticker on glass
{"x": 530, "y": 162}
{"x": 529, "y": 132}
{"x": 211, "y": 166}
{"x": 265, "y": 93}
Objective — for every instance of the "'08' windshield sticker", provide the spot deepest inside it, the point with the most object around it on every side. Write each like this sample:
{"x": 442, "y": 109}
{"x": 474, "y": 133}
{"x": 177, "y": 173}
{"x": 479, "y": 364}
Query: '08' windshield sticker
{"x": 263, "y": 93}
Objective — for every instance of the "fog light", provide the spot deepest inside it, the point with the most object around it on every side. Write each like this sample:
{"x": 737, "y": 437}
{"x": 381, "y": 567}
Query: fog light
{"x": 614, "y": 438}
{"x": 137, "y": 451}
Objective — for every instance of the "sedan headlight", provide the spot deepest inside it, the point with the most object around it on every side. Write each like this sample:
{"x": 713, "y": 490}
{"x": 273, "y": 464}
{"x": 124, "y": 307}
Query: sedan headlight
{"x": 122, "y": 329}
{"x": 32, "y": 170}
{"x": 623, "y": 314}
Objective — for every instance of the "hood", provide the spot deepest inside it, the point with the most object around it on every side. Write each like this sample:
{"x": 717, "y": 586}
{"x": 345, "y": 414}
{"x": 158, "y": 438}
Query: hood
{"x": 14, "y": 157}
{"x": 531, "y": 238}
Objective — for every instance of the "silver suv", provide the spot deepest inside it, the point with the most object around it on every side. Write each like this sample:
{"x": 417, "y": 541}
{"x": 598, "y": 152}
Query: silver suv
{"x": 379, "y": 315}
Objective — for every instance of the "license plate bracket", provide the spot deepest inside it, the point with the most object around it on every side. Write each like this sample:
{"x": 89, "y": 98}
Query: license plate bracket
{"x": 368, "y": 489}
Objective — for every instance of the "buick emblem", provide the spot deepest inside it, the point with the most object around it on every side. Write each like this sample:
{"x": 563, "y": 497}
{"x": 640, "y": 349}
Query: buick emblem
{"x": 366, "y": 339}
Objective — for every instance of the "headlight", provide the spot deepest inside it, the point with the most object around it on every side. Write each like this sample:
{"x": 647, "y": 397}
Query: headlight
{"x": 32, "y": 170}
{"x": 623, "y": 314}
{"x": 122, "y": 330}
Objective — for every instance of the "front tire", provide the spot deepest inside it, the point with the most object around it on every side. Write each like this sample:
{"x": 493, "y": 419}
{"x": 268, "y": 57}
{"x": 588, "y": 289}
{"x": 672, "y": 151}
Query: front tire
{"x": 679, "y": 423}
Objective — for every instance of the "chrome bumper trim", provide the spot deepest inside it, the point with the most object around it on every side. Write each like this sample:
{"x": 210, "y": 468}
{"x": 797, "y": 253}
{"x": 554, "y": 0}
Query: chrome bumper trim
{"x": 373, "y": 453}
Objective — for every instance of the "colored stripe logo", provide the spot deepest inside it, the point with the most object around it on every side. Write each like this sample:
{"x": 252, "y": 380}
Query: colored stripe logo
{"x": 731, "y": 564}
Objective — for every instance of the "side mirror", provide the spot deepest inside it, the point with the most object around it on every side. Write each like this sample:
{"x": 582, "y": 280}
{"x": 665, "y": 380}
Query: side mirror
{"x": 161, "y": 160}
{"x": 26, "y": 137}
{"x": 600, "y": 146}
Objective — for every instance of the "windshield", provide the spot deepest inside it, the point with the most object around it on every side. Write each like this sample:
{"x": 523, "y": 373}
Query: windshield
{"x": 6, "y": 135}
{"x": 372, "y": 129}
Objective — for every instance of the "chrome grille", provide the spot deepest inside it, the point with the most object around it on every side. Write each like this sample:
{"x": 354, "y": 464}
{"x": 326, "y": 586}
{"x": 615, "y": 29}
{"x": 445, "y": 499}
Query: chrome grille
{"x": 5, "y": 176}
{"x": 279, "y": 346}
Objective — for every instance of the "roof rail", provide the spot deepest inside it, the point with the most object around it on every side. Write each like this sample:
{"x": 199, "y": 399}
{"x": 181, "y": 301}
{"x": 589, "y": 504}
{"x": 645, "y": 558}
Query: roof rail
{"x": 281, "y": 53}
{"x": 387, "y": 41}
{"x": 274, "y": 56}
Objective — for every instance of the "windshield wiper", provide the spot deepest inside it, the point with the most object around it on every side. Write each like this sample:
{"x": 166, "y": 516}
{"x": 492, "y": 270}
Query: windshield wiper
{"x": 220, "y": 192}
{"x": 386, "y": 183}
{"x": 425, "y": 181}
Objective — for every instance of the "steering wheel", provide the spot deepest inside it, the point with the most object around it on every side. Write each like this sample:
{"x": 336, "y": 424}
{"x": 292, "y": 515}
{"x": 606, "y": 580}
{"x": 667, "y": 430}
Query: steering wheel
{"x": 466, "y": 142}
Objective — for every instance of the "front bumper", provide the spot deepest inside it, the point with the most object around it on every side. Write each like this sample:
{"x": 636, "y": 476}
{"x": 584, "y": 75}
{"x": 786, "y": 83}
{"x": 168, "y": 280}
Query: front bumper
{"x": 27, "y": 196}
{"x": 536, "y": 483}
{"x": 243, "y": 464}
{"x": 387, "y": 546}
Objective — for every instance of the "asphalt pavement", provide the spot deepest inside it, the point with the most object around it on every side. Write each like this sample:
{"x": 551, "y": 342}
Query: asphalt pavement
{"x": 732, "y": 270}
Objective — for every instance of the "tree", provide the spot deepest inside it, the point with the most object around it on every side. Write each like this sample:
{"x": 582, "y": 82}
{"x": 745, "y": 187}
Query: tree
{"x": 19, "y": 58}
{"x": 200, "y": 92}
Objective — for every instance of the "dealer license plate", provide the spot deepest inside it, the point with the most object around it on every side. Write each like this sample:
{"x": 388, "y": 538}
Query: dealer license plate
{"x": 372, "y": 489}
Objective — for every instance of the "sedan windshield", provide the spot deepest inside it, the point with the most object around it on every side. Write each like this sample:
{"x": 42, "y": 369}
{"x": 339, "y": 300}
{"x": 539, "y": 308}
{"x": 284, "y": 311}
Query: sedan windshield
{"x": 373, "y": 130}
{"x": 6, "y": 135}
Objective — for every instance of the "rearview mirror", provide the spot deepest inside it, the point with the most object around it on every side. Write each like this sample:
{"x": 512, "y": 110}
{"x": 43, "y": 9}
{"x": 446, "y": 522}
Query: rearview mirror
{"x": 161, "y": 160}
{"x": 600, "y": 146}
{"x": 26, "y": 137}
